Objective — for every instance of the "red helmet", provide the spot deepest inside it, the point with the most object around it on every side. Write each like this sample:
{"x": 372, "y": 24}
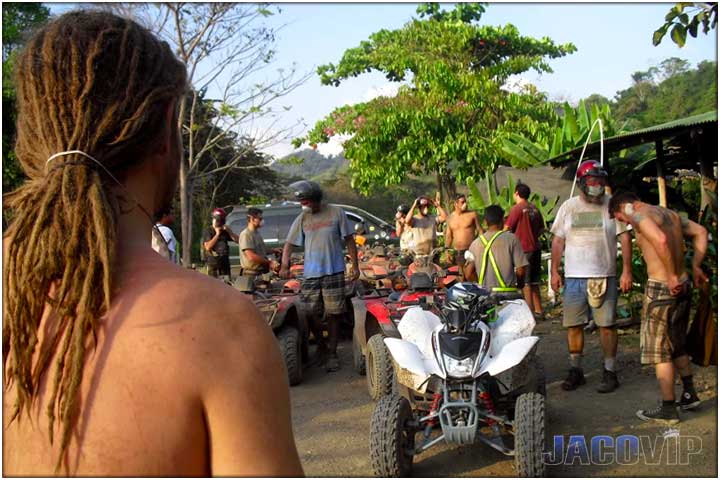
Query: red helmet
{"x": 591, "y": 168}
{"x": 219, "y": 213}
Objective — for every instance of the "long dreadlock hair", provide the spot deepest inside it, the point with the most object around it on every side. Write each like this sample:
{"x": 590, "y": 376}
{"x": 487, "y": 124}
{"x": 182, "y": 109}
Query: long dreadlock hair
{"x": 99, "y": 83}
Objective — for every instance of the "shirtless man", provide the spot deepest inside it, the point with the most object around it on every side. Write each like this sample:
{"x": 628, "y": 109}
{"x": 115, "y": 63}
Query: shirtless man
{"x": 116, "y": 361}
{"x": 666, "y": 306}
{"x": 463, "y": 228}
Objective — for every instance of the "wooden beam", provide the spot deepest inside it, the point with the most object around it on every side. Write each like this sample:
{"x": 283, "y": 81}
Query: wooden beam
{"x": 662, "y": 187}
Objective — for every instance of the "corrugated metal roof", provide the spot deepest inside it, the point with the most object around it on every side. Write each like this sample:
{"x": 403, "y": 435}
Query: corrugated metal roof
{"x": 683, "y": 122}
{"x": 644, "y": 135}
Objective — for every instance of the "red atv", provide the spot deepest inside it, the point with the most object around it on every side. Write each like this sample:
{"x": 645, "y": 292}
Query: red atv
{"x": 278, "y": 300}
{"x": 375, "y": 267}
{"x": 378, "y": 312}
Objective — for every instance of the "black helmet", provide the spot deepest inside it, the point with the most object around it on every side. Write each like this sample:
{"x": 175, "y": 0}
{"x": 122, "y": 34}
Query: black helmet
{"x": 404, "y": 209}
{"x": 465, "y": 293}
{"x": 306, "y": 190}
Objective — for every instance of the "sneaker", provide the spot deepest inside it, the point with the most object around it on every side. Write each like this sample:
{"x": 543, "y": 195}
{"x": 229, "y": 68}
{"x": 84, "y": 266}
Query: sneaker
{"x": 575, "y": 379}
{"x": 659, "y": 414}
{"x": 609, "y": 382}
{"x": 688, "y": 400}
{"x": 333, "y": 363}
{"x": 539, "y": 317}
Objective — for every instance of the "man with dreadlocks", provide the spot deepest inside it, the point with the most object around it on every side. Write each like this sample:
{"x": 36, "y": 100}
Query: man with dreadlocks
{"x": 98, "y": 380}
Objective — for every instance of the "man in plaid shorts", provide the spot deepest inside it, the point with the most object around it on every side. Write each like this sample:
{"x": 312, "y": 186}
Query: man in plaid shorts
{"x": 666, "y": 306}
{"x": 322, "y": 230}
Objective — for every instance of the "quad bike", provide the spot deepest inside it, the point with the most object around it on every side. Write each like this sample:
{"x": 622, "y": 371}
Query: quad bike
{"x": 375, "y": 269}
{"x": 278, "y": 301}
{"x": 425, "y": 264}
{"x": 377, "y": 314}
{"x": 468, "y": 375}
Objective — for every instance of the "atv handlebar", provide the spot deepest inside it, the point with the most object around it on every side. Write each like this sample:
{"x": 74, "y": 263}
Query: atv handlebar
{"x": 498, "y": 297}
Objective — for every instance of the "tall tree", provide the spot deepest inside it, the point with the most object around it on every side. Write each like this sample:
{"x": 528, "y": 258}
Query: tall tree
{"x": 452, "y": 109}
{"x": 18, "y": 21}
{"x": 227, "y": 48}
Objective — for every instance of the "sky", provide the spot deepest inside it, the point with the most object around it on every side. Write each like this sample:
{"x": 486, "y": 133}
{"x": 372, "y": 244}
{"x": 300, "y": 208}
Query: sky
{"x": 613, "y": 41}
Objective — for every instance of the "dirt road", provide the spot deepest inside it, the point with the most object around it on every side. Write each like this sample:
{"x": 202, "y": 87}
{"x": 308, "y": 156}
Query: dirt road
{"x": 331, "y": 418}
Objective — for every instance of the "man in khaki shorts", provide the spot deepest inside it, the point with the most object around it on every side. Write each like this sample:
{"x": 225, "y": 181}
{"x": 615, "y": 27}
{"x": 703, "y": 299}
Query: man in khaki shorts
{"x": 587, "y": 239}
{"x": 666, "y": 306}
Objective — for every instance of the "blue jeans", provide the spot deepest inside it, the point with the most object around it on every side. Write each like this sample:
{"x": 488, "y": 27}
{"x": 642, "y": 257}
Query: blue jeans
{"x": 576, "y": 310}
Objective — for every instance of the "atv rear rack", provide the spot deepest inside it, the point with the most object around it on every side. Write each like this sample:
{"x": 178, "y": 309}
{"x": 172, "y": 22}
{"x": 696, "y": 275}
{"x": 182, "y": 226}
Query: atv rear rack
{"x": 268, "y": 307}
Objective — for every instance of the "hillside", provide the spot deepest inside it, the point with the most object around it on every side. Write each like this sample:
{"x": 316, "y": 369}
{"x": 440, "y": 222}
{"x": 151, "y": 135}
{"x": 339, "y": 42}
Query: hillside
{"x": 309, "y": 163}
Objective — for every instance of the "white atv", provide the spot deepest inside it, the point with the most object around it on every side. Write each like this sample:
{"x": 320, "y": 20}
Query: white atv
{"x": 470, "y": 375}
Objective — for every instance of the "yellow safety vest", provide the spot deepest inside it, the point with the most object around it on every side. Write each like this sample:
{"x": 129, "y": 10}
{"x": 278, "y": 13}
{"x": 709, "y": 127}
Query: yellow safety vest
{"x": 487, "y": 253}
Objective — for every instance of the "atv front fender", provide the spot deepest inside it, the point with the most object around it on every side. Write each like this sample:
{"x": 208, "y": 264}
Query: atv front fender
{"x": 411, "y": 369}
{"x": 511, "y": 354}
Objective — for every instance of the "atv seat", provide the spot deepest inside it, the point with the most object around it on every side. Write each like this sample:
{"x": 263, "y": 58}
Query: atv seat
{"x": 421, "y": 281}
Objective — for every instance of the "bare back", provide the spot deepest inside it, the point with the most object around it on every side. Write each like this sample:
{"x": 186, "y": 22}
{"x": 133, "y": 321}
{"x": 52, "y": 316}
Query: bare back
{"x": 464, "y": 231}
{"x": 186, "y": 380}
{"x": 669, "y": 223}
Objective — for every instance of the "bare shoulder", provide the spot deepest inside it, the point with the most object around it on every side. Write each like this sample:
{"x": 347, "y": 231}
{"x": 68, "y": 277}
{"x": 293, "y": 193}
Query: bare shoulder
{"x": 192, "y": 313}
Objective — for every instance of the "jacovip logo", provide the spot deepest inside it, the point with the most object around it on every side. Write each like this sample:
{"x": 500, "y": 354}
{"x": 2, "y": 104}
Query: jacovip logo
{"x": 670, "y": 448}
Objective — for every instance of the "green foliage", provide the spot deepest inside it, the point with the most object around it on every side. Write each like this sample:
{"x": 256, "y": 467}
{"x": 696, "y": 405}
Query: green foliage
{"x": 451, "y": 112}
{"x": 18, "y": 19}
{"x": 679, "y": 24}
{"x": 572, "y": 132}
{"x": 666, "y": 92}
{"x": 504, "y": 198}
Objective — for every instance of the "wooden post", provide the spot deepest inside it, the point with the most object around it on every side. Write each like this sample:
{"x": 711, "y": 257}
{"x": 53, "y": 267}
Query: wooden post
{"x": 662, "y": 187}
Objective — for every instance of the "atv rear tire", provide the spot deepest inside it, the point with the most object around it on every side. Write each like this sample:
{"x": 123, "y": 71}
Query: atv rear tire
{"x": 358, "y": 357}
{"x": 530, "y": 435}
{"x": 291, "y": 348}
{"x": 379, "y": 368}
{"x": 392, "y": 441}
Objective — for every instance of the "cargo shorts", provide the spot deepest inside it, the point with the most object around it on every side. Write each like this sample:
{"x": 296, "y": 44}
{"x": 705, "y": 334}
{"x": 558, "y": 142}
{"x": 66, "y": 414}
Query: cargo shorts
{"x": 326, "y": 293}
{"x": 576, "y": 309}
{"x": 663, "y": 330}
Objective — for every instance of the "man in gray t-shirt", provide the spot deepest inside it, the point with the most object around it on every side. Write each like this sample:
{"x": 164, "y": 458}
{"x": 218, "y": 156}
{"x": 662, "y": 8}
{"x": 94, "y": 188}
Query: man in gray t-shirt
{"x": 322, "y": 230}
{"x": 503, "y": 268}
{"x": 253, "y": 253}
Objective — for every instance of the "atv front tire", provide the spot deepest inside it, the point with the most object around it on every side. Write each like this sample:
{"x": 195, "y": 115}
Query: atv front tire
{"x": 291, "y": 349}
{"x": 379, "y": 367}
{"x": 392, "y": 440}
{"x": 530, "y": 435}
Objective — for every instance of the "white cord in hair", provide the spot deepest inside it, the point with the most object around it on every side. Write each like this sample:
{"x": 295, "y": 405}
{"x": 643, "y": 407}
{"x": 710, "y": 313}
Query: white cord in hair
{"x": 142, "y": 209}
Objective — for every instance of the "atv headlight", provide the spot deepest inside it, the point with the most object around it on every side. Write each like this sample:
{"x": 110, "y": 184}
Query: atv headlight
{"x": 459, "y": 368}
